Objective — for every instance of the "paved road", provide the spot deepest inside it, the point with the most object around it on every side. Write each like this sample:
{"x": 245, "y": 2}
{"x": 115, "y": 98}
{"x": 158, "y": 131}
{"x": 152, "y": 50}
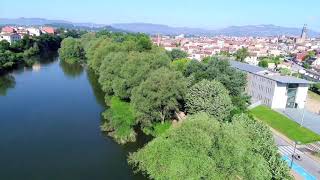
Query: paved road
{"x": 307, "y": 163}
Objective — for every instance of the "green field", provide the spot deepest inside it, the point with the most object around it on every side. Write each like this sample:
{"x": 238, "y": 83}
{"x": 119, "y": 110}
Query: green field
{"x": 283, "y": 124}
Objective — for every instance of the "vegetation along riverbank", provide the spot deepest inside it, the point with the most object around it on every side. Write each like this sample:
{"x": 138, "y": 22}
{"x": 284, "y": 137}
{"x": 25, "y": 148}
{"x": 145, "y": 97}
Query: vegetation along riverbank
{"x": 146, "y": 86}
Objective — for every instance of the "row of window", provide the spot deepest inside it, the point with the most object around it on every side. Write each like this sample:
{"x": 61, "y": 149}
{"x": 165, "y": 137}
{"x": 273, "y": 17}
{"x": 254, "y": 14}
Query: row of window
{"x": 264, "y": 100}
{"x": 261, "y": 88}
{"x": 262, "y": 79}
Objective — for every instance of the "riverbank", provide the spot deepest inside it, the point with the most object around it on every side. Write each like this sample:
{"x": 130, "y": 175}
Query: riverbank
{"x": 20, "y": 53}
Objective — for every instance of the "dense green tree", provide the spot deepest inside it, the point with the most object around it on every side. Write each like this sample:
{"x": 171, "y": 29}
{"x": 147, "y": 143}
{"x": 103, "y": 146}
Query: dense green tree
{"x": 144, "y": 43}
{"x": 48, "y": 42}
{"x": 180, "y": 153}
{"x": 4, "y": 45}
{"x": 240, "y": 103}
{"x": 180, "y": 64}
{"x": 136, "y": 70}
{"x": 21, "y": 51}
{"x": 197, "y": 69}
{"x": 157, "y": 98}
{"x": 177, "y": 54}
{"x": 315, "y": 88}
{"x": 310, "y": 54}
{"x": 263, "y": 63}
{"x": 119, "y": 121}
{"x": 71, "y": 51}
{"x": 203, "y": 148}
{"x": 210, "y": 97}
{"x": 262, "y": 143}
{"x": 241, "y": 54}
{"x": 110, "y": 69}
{"x": 220, "y": 70}
{"x": 306, "y": 65}
{"x": 32, "y": 51}
{"x": 99, "y": 50}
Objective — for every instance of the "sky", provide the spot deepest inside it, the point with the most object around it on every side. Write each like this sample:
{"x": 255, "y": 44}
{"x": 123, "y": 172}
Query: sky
{"x": 210, "y": 14}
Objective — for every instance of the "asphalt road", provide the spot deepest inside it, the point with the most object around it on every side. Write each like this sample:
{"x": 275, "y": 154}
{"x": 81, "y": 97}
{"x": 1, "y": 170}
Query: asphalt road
{"x": 285, "y": 148}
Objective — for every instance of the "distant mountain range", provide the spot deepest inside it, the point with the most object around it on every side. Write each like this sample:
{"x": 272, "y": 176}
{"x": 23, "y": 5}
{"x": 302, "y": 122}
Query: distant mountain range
{"x": 55, "y": 23}
{"x": 249, "y": 30}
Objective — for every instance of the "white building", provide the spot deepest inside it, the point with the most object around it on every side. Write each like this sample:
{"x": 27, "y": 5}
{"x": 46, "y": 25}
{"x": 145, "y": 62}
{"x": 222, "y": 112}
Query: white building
{"x": 10, "y": 37}
{"x": 253, "y": 60}
{"x": 272, "y": 89}
{"x": 34, "y": 31}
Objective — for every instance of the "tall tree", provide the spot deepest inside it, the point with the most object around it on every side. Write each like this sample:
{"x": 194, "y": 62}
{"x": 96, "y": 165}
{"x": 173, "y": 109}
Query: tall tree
{"x": 241, "y": 54}
{"x": 210, "y": 97}
{"x": 204, "y": 148}
{"x": 136, "y": 69}
{"x": 110, "y": 69}
{"x": 177, "y": 54}
{"x": 262, "y": 143}
{"x": 220, "y": 70}
{"x": 157, "y": 98}
{"x": 71, "y": 50}
{"x": 4, "y": 45}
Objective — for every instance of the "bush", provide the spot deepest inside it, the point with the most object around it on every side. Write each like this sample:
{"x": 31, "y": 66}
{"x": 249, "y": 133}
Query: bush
{"x": 315, "y": 88}
{"x": 119, "y": 121}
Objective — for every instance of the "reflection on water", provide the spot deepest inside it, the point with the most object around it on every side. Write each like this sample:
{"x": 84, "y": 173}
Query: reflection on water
{"x": 36, "y": 66}
{"x": 93, "y": 80}
{"x": 71, "y": 70}
{"x": 6, "y": 82}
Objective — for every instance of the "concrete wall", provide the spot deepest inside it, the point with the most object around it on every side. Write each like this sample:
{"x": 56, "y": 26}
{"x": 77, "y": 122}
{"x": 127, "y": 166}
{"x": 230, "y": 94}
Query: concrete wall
{"x": 260, "y": 89}
{"x": 301, "y": 95}
{"x": 279, "y": 100}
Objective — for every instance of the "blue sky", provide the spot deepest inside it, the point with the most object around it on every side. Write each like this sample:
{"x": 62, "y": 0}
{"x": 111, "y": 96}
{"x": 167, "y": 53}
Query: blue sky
{"x": 192, "y": 13}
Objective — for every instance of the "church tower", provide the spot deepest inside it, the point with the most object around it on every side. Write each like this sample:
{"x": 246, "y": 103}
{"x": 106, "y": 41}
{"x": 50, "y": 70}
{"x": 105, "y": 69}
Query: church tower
{"x": 303, "y": 36}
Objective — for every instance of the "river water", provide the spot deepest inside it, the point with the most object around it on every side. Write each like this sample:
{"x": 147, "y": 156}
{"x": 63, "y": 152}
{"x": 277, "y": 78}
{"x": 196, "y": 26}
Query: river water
{"x": 49, "y": 126}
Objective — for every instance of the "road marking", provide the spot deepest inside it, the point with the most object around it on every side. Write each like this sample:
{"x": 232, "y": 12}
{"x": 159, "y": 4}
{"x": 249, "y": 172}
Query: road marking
{"x": 288, "y": 150}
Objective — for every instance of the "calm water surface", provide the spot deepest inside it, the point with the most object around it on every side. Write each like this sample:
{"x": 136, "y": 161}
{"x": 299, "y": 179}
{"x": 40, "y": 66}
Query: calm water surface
{"x": 49, "y": 127}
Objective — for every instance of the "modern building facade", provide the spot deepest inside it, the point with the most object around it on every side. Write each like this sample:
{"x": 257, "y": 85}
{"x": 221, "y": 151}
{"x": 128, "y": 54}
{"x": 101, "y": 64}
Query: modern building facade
{"x": 272, "y": 89}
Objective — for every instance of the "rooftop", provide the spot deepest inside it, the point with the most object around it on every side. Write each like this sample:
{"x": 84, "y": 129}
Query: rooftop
{"x": 267, "y": 74}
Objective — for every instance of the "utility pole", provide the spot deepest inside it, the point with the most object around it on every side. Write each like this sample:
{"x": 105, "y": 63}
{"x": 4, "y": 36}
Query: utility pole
{"x": 294, "y": 151}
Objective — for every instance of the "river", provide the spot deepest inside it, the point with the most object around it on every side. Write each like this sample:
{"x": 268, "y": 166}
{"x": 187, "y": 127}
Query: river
{"x": 49, "y": 126}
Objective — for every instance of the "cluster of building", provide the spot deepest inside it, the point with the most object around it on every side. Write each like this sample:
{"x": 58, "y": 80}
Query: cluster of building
{"x": 12, "y": 33}
{"x": 200, "y": 47}
{"x": 265, "y": 86}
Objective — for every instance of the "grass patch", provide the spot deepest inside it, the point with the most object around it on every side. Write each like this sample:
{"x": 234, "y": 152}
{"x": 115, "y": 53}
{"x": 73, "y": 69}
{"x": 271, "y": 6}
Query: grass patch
{"x": 317, "y": 154}
{"x": 119, "y": 121}
{"x": 284, "y": 125}
{"x": 157, "y": 129}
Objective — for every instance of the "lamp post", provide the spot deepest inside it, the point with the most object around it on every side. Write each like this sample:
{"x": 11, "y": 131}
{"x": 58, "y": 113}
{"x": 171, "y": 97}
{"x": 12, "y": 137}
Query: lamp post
{"x": 294, "y": 151}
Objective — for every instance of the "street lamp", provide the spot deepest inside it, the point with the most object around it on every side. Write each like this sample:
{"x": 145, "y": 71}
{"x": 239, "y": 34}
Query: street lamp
{"x": 294, "y": 151}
